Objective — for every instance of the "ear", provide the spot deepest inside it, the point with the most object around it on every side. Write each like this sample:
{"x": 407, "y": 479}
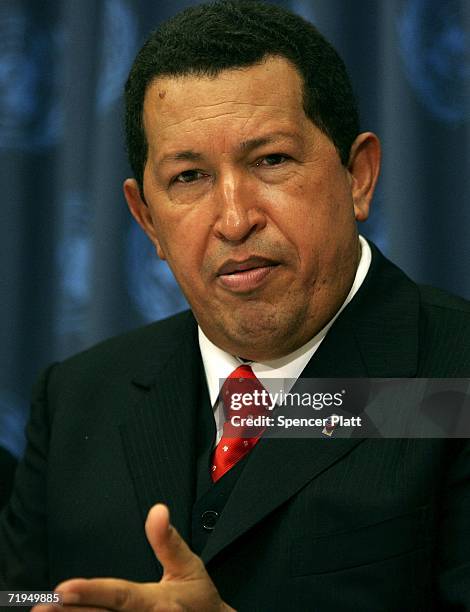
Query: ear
{"x": 363, "y": 167}
{"x": 141, "y": 213}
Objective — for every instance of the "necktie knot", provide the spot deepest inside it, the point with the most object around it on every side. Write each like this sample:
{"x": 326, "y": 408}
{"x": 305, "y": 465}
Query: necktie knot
{"x": 242, "y": 394}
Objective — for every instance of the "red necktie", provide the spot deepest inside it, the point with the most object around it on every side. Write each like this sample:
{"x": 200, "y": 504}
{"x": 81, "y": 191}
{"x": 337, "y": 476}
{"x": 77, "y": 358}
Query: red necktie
{"x": 237, "y": 441}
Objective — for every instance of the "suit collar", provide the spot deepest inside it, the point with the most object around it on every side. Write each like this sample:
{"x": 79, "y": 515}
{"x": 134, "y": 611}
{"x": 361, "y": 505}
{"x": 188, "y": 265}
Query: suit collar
{"x": 383, "y": 323}
{"x": 181, "y": 336}
{"x": 377, "y": 334}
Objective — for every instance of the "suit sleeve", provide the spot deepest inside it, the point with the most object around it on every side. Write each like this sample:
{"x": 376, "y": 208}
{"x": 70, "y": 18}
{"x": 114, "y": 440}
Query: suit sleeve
{"x": 454, "y": 534}
{"x": 23, "y": 522}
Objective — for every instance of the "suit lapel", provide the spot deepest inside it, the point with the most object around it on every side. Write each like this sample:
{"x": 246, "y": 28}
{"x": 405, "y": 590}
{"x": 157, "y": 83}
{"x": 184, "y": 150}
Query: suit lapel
{"x": 159, "y": 437}
{"x": 375, "y": 336}
{"x": 277, "y": 469}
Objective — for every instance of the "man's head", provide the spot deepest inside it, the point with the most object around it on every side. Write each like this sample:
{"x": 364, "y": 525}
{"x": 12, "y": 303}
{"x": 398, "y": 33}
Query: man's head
{"x": 251, "y": 175}
{"x": 206, "y": 39}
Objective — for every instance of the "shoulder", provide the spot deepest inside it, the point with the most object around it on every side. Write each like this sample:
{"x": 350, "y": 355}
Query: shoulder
{"x": 129, "y": 354}
{"x": 441, "y": 302}
{"x": 388, "y": 282}
{"x": 444, "y": 331}
{"x": 428, "y": 323}
{"x": 444, "y": 311}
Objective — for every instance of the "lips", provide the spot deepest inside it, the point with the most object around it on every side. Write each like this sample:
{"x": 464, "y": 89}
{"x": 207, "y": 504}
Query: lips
{"x": 246, "y": 275}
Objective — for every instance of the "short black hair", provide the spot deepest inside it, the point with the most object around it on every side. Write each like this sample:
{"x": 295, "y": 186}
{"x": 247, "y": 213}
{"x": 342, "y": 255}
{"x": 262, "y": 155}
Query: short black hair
{"x": 204, "y": 40}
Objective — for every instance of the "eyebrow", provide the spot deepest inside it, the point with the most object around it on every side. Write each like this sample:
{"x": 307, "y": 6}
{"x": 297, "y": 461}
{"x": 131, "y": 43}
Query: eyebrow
{"x": 244, "y": 146}
{"x": 188, "y": 155}
{"x": 254, "y": 143}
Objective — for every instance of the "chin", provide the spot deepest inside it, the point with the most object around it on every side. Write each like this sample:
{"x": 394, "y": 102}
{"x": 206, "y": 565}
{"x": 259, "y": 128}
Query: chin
{"x": 257, "y": 343}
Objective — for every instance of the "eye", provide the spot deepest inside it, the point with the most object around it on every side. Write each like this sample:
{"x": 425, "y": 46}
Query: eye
{"x": 188, "y": 176}
{"x": 275, "y": 159}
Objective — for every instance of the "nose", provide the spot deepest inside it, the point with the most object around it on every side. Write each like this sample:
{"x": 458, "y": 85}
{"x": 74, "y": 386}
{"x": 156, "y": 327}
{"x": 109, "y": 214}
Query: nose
{"x": 239, "y": 214}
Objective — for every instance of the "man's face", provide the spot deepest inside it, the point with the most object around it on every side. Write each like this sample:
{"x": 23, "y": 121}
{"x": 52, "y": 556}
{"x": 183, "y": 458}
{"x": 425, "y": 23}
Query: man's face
{"x": 250, "y": 205}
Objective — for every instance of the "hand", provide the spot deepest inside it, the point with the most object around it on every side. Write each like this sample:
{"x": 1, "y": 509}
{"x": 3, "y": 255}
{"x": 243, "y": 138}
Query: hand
{"x": 185, "y": 585}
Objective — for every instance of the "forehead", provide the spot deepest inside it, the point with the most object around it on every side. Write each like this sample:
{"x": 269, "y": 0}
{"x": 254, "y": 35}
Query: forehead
{"x": 235, "y": 100}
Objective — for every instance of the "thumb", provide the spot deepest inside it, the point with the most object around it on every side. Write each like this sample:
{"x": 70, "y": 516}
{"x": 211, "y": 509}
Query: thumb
{"x": 177, "y": 559}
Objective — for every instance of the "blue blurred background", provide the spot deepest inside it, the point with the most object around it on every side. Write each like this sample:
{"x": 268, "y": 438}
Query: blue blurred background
{"x": 75, "y": 269}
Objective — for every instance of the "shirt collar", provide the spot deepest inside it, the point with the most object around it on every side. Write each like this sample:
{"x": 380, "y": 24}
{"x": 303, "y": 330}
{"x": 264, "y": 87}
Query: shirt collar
{"x": 218, "y": 364}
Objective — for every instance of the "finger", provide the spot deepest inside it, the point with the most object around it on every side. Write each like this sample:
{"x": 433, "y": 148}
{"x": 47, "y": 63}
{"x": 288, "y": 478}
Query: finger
{"x": 178, "y": 561}
{"x": 101, "y": 593}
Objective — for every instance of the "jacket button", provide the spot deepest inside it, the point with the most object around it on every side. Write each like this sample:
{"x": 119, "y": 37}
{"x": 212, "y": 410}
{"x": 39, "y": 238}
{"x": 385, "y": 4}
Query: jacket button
{"x": 209, "y": 519}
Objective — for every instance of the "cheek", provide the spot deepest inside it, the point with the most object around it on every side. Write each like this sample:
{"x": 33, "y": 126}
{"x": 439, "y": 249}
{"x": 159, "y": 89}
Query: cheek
{"x": 182, "y": 240}
{"x": 320, "y": 226}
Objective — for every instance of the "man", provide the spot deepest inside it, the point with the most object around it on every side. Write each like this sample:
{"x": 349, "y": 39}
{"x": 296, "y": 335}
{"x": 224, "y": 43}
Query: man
{"x": 250, "y": 175}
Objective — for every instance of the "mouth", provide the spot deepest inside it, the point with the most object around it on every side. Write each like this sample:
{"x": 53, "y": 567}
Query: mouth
{"x": 247, "y": 275}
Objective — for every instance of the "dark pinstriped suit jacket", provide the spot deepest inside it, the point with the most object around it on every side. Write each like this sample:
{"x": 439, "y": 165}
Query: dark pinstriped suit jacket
{"x": 325, "y": 524}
